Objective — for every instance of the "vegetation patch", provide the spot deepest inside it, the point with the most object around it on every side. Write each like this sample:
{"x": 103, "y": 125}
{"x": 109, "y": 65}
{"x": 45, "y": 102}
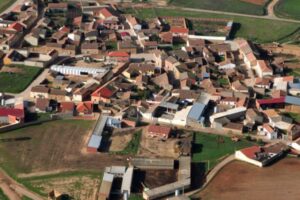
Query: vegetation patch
{"x": 133, "y": 146}
{"x": 237, "y": 6}
{"x": 288, "y": 9}
{"x": 17, "y": 82}
{"x": 211, "y": 149}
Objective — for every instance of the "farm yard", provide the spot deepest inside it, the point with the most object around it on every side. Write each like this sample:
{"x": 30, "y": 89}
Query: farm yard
{"x": 240, "y": 180}
{"x": 254, "y": 7}
{"x": 78, "y": 185}
{"x": 56, "y": 145}
{"x": 257, "y": 30}
{"x": 288, "y": 9}
{"x": 23, "y": 75}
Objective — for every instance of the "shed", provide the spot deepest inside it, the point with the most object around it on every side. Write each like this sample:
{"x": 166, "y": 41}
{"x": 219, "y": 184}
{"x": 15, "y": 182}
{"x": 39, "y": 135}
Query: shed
{"x": 94, "y": 143}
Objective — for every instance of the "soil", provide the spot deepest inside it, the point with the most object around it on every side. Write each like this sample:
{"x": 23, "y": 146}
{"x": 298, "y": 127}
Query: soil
{"x": 119, "y": 141}
{"x": 239, "y": 180}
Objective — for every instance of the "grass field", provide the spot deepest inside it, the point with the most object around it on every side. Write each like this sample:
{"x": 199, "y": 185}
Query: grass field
{"x": 17, "y": 82}
{"x": 288, "y": 9}
{"x": 257, "y": 30}
{"x": 2, "y": 195}
{"x": 210, "y": 148}
{"x": 222, "y": 5}
{"x": 5, "y": 4}
{"x": 78, "y": 184}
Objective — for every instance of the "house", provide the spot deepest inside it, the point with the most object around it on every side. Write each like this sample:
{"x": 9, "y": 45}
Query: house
{"x": 118, "y": 56}
{"x": 43, "y": 105}
{"x": 267, "y": 131}
{"x": 263, "y": 69}
{"x": 162, "y": 132}
{"x": 103, "y": 94}
{"x": 39, "y": 91}
{"x": 90, "y": 48}
{"x": 179, "y": 32}
{"x": 83, "y": 93}
{"x": 57, "y": 8}
{"x": 58, "y": 95}
{"x": 85, "y": 108}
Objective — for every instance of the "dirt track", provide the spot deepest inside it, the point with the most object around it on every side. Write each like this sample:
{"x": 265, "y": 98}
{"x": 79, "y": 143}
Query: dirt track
{"x": 239, "y": 180}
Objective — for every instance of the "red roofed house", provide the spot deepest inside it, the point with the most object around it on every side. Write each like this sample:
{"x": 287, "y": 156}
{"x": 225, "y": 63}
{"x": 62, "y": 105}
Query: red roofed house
{"x": 268, "y": 131}
{"x": 249, "y": 155}
{"x": 162, "y": 132}
{"x": 105, "y": 14}
{"x": 179, "y": 32}
{"x": 85, "y": 108}
{"x": 118, "y": 56}
{"x": 103, "y": 94}
{"x": 263, "y": 69}
{"x": 11, "y": 115}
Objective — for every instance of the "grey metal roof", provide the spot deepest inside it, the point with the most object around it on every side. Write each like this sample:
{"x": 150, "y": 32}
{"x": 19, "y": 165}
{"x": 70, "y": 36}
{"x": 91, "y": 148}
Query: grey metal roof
{"x": 169, "y": 105}
{"x": 100, "y": 125}
{"x": 292, "y": 100}
{"x": 95, "y": 141}
{"x": 196, "y": 111}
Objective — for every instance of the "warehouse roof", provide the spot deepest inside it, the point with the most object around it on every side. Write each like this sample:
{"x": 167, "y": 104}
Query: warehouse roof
{"x": 95, "y": 141}
{"x": 196, "y": 111}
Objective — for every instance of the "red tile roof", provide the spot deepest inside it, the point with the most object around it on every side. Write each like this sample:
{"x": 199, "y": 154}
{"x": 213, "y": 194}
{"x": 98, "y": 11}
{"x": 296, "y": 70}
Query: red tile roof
{"x": 179, "y": 30}
{"x": 12, "y": 111}
{"x": 118, "y": 54}
{"x": 250, "y": 151}
{"x": 106, "y": 13}
{"x": 161, "y": 130}
{"x": 271, "y": 101}
{"x": 105, "y": 92}
{"x": 16, "y": 26}
{"x": 67, "y": 106}
{"x": 85, "y": 107}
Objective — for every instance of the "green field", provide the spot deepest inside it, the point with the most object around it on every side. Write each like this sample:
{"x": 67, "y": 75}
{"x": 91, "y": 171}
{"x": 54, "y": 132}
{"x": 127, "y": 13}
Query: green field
{"x": 288, "y": 9}
{"x": 5, "y": 4}
{"x": 222, "y": 5}
{"x": 257, "y": 30}
{"x": 211, "y": 149}
{"x": 2, "y": 195}
{"x": 17, "y": 82}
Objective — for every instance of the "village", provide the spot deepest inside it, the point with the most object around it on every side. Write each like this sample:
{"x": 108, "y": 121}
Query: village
{"x": 149, "y": 86}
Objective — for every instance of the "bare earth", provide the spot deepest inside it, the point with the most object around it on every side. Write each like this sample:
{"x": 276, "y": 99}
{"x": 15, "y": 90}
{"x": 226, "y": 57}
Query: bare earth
{"x": 153, "y": 147}
{"x": 239, "y": 180}
{"x": 119, "y": 141}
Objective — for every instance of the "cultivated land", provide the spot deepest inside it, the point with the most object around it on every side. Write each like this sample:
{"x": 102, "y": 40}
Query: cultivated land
{"x": 237, "y": 6}
{"x": 257, "y": 30}
{"x": 211, "y": 149}
{"x": 239, "y": 180}
{"x": 288, "y": 9}
{"x": 56, "y": 145}
{"x": 19, "y": 80}
{"x": 79, "y": 185}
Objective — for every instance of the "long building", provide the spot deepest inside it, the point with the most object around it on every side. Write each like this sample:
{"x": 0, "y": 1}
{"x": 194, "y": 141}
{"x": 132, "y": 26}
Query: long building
{"x": 80, "y": 71}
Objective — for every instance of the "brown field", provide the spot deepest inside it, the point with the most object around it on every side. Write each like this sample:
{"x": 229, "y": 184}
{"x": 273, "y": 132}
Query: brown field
{"x": 56, "y": 145}
{"x": 239, "y": 180}
{"x": 119, "y": 141}
{"x": 154, "y": 147}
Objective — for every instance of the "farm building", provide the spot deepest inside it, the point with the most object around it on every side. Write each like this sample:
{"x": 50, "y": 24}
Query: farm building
{"x": 261, "y": 156}
{"x": 233, "y": 113}
{"x": 80, "y": 71}
{"x": 11, "y": 115}
{"x": 94, "y": 143}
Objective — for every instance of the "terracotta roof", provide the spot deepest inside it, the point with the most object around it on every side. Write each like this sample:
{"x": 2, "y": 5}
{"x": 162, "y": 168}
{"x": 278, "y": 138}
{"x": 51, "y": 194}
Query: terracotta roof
{"x": 16, "y": 26}
{"x": 67, "y": 106}
{"x": 118, "y": 54}
{"x": 271, "y": 101}
{"x": 179, "y": 30}
{"x": 264, "y": 66}
{"x": 161, "y": 130}
{"x": 40, "y": 89}
{"x": 105, "y": 12}
{"x": 268, "y": 128}
{"x": 85, "y": 107}
{"x": 250, "y": 151}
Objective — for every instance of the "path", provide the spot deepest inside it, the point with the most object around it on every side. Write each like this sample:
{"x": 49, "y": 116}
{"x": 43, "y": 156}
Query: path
{"x": 270, "y": 9}
{"x": 14, "y": 190}
{"x": 210, "y": 176}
